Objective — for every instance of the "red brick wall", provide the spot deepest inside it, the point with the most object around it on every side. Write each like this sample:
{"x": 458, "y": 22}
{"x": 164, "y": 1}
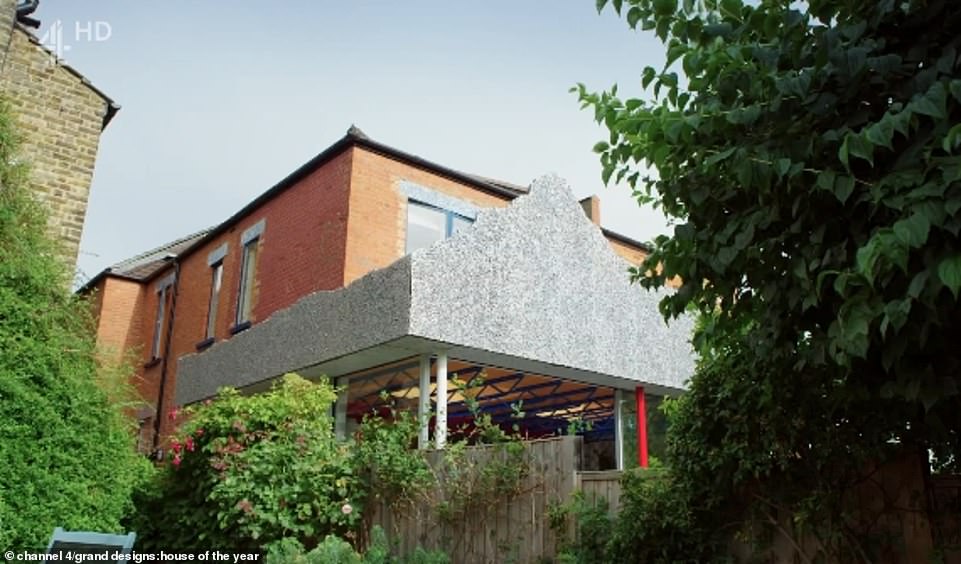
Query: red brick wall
{"x": 301, "y": 251}
{"x": 118, "y": 309}
{"x": 376, "y": 231}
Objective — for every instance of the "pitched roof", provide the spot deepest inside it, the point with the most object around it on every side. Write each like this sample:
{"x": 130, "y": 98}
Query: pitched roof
{"x": 144, "y": 266}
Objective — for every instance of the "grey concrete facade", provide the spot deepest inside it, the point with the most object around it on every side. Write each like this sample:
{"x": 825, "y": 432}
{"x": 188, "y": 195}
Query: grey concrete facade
{"x": 323, "y": 325}
{"x": 535, "y": 286}
{"x": 538, "y": 280}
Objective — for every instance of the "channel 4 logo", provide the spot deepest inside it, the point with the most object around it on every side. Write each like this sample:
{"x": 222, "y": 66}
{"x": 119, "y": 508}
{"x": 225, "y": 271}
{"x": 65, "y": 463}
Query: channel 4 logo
{"x": 59, "y": 38}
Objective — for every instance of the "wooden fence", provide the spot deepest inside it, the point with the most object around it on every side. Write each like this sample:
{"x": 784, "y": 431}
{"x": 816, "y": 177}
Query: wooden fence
{"x": 601, "y": 487}
{"x": 515, "y": 528}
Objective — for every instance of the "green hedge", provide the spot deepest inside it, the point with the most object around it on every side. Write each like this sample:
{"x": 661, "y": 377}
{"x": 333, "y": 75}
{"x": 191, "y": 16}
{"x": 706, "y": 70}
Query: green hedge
{"x": 67, "y": 451}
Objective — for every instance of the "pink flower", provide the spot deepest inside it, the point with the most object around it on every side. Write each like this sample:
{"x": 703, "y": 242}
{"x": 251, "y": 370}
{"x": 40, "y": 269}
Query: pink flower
{"x": 176, "y": 461}
{"x": 175, "y": 446}
{"x": 199, "y": 432}
{"x": 245, "y": 506}
{"x": 189, "y": 443}
{"x": 346, "y": 509}
{"x": 172, "y": 414}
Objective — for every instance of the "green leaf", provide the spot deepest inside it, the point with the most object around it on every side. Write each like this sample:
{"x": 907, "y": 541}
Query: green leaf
{"x": 859, "y": 147}
{"x": 881, "y": 133}
{"x": 825, "y": 180}
{"x": 600, "y": 5}
{"x": 718, "y": 157}
{"x": 684, "y": 232}
{"x": 896, "y": 313}
{"x": 917, "y": 284}
{"x": 647, "y": 76}
{"x": 675, "y": 51}
{"x": 955, "y": 87}
{"x": 782, "y": 166}
{"x": 633, "y": 16}
{"x": 913, "y": 230}
{"x": 933, "y": 103}
{"x": 949, "y": 272}
{"x": 867, "y": 257}
{"x": 601, "y": 146}
{"x": 843, "y": 187}
{"x": 665, "y": 7}
{"x": 843, "y": 152}
{"x": 952, "y": 140}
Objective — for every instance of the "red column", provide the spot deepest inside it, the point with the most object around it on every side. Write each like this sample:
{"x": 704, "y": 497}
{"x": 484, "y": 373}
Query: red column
{"x": 641, "y": 426}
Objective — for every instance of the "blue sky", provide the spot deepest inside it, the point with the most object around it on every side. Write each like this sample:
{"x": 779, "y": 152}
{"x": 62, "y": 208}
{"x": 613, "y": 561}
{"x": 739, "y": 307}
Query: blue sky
{"x": 221, "y": 100}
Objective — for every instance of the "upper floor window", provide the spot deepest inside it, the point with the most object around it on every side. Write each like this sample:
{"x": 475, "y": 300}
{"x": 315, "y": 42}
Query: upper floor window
{"x": 427, "y": 224}
{"x": 216, "y": 262}
{"x": 248, "y": 270}
{"x": 250, "y": 240}
{"x": 163, "y": 294}
{"x": 217, "y": 278}
{"x": 159, "y": 322}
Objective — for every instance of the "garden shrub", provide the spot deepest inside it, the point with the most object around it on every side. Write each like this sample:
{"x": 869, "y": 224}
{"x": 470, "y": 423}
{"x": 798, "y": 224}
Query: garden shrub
{"x": 245, "y": 471}
{"x": 593, "y": 529}
{"x": 68, "y": 453}
{"x": 387, "y": 462}
{"x": 334, "y": 550}
{"x": 657, "y": 524}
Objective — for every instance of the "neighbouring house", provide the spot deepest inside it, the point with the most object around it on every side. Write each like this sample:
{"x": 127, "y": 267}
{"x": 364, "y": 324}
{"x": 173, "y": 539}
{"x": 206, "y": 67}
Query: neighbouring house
{"x": 60, "y": 116}
{"x": 391, "y": 274}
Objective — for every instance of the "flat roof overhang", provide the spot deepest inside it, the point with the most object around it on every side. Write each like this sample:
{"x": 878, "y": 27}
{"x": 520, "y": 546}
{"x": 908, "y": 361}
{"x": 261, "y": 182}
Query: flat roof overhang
{"x": 534, "y": 286}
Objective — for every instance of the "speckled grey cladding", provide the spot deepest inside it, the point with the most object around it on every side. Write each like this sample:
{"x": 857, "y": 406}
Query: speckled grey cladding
{"x": 538, "y": 280}
{"x": 320, "y": 326}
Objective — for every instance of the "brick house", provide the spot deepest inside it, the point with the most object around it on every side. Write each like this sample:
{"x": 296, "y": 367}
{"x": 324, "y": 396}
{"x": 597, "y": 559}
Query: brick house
{"x": 387, "y": 272}
{"x": 60, "y": 115}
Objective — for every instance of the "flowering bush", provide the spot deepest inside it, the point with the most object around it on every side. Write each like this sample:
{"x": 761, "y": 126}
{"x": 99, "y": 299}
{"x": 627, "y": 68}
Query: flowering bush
{"x": 248, "y": 470}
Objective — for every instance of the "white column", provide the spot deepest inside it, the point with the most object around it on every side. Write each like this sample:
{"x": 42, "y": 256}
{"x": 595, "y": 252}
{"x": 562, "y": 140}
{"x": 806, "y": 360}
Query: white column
{"x": 423, "y": 404}
{"x": 619, "y": 429}
{"x": 340, "y": 411}
{"x": 440, "y": 425}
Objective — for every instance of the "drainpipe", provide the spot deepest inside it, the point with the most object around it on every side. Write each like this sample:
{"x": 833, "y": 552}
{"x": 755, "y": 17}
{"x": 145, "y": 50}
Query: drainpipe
{"x": 158, "y": 417}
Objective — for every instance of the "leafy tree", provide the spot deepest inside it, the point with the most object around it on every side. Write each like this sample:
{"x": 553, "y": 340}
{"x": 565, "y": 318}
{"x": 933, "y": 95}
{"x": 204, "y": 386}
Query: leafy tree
{"x": 809, "y": 157}
{"x": 67, "y": 451}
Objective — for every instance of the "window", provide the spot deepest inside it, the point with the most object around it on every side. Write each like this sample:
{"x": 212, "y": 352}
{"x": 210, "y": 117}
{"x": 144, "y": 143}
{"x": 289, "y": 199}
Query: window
{"x": 163, "y": 295}
{"x": 248, "y": 269}
{"x": 250, "y": 247}
{"x": 217, "y": 278}
{"x": 427, "y": 224}
{"x": 159, "y": 322}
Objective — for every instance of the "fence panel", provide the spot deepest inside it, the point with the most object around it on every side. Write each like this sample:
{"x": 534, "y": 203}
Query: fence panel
{"x": 601, "y": 487}
{"x": 506, "y": 530}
